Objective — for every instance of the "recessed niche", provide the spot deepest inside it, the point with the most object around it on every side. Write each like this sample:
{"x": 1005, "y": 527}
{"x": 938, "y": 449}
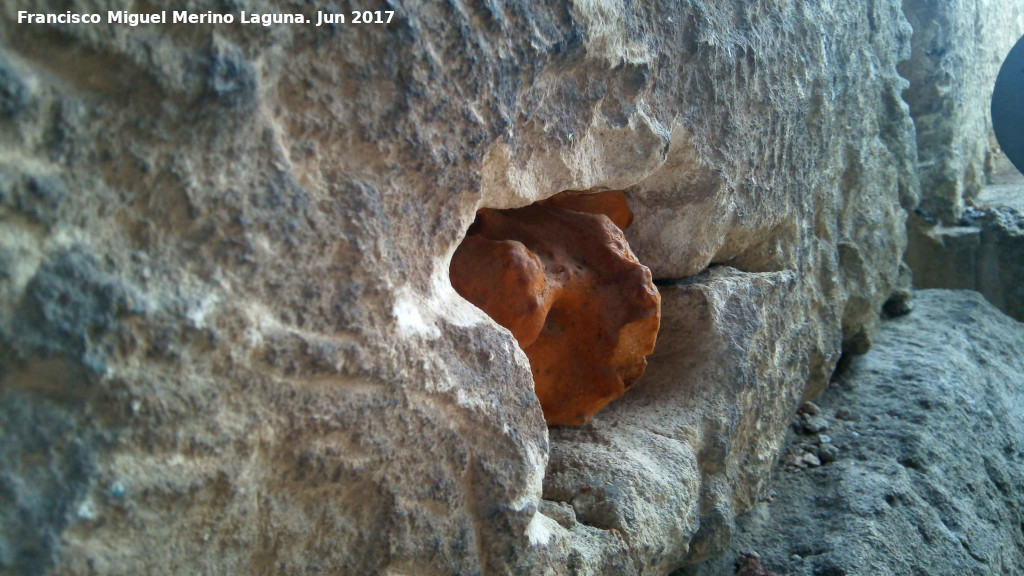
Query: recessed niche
{"x": 561, "y": 277}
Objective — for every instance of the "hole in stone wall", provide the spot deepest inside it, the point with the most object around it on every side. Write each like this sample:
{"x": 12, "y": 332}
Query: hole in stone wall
{"x": 561, "y": 277}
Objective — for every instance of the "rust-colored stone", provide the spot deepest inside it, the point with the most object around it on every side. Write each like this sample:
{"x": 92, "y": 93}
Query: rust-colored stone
{"x": 612, "y": 204}
{"x": 560, "y": 275}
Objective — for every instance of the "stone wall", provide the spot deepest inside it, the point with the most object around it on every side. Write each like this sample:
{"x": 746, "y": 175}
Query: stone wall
{"x": 965, "y": 234}
{"x": 958, "y": 47}
{"x": 985, "y": 253}
{"x": 229, "y": 340}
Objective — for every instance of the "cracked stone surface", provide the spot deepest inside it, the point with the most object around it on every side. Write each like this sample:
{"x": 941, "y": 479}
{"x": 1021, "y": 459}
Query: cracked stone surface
{"x": 224, "y": 258}
{"x": 928, "y": 438}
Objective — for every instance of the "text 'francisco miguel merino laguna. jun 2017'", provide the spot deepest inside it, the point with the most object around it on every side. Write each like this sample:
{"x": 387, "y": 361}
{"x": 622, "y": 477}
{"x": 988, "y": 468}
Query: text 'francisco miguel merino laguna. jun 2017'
{"x": 185, "y": 17}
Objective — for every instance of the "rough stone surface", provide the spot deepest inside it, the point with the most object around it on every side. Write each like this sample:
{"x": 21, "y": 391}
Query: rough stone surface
{"x": 958, "y": 47}
{"x": 224, "y": 277}
{"x": 983, "y": 252}
{"x": 699, "y": 433}
{"x": 929, "y": 473}
{"x": 561, "y": 277}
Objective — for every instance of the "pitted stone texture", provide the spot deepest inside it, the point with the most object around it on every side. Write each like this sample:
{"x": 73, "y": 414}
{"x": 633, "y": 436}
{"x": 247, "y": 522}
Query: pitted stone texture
{"x": 929, "y": 437}
{"x": 286, "y": 379}
{"x": 561, "y": 277}
{"x": 958, "y": 47}
{"x": 700, "y": 432}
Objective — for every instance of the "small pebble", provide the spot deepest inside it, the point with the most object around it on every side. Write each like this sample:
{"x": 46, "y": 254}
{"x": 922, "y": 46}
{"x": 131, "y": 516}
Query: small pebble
{"x": 809, "y": 408}
{"x": 814, "y": 424}
{"x": 810, "y": 460}
{"x": 828, "y": 453}
{"x": 844, "y": 414}
{"x": 87, "y": 510}
{"x": 796, "y": 557}
{"x": 824, "y": 439}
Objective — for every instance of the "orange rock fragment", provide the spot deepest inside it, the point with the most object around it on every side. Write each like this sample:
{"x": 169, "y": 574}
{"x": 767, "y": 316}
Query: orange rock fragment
{"x": 561, "y": 277}
{"x": 612, "y": 204}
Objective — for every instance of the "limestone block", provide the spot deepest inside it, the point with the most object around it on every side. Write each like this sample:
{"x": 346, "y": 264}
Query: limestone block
{"x": 225, "y": 289}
